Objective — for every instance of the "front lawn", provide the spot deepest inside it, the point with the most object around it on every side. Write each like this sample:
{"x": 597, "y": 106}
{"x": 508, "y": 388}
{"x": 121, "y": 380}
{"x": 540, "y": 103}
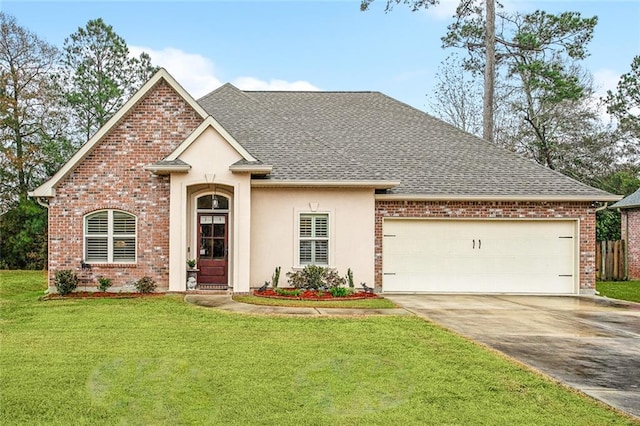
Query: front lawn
{"x": 162, "y": 361}
{"x": 623, "y": 290}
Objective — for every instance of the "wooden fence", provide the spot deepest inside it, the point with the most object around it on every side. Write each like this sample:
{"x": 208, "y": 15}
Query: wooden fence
{"x": 611, "y": 260}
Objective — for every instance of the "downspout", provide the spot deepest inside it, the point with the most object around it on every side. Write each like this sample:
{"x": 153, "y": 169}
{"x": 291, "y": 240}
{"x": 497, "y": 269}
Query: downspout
{"x": 42, "y": 203}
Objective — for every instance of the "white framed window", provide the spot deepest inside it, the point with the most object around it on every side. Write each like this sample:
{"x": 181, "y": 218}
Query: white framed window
{"x": 110, "y": 237}
{"x": 313, "y": 239}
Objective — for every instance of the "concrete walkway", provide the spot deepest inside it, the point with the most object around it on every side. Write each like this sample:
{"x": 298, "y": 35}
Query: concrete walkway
{"x": 589, "y": 343}
{"x": 226, "y": 303}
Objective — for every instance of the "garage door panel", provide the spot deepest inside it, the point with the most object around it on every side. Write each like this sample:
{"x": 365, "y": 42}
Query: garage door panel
{"x": 479, "y": 256}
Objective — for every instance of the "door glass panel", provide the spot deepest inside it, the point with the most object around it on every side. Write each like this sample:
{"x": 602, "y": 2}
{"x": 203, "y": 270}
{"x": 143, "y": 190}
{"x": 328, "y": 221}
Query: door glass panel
{"x": 205, "y": 248}
{"x": 206, "y": 230}
{"x": 218, "y": 230}
{"x": 218, "y": 249}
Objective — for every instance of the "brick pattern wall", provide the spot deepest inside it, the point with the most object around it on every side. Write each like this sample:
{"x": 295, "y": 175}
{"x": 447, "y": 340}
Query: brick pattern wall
{"x": 497, "y": 210}
{"x": 112, "y": 176}
{"x": 631, "y": 233}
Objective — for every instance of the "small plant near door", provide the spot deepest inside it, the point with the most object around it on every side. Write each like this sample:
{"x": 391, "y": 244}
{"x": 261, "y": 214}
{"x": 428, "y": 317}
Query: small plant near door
{"x": 191, "y": 263}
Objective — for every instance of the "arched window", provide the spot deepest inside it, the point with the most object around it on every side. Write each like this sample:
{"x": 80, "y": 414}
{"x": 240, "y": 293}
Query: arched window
{"x": 110, "y": 237}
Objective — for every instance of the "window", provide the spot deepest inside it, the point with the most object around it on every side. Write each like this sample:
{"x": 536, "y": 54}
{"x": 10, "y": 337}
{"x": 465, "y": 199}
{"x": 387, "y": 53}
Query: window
{"x": 314, "y": 239}
{"x": 110, "y": 237}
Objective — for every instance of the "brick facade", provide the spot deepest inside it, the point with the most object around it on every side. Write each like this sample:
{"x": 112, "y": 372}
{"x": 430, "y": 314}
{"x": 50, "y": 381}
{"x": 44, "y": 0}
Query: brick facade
{"x": 112, "y": 176}
{"x": 630, "y": 232}
{"x": 498, "y": 210}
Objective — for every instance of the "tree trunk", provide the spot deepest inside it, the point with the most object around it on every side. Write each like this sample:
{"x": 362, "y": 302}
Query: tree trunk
{"x": 489, "y": 70}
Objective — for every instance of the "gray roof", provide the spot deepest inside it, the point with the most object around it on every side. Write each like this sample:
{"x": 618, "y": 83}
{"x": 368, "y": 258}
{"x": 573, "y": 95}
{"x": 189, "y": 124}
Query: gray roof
{"x": 629, "y": 202}
{"x": 370, "y": 136}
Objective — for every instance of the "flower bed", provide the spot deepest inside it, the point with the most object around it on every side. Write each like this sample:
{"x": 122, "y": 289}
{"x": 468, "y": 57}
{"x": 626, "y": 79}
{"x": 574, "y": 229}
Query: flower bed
{"x": 98, "y": 295}
{"x": 313, "y": 295}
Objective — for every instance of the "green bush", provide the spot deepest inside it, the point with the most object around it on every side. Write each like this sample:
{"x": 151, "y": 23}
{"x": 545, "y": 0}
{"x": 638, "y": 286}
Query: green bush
{"x": 314, "y": 277}
{"x": 286, "y": 292}
{"x": 340, "y": 291}
{"x": 66, "y": 281}
{"x": 145, "y": 285}
{"x": 104, "y": 283}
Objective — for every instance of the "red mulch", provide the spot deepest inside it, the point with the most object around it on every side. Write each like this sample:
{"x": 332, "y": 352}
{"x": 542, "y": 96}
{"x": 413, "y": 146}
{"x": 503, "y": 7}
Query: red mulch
{"x": 313, "y": 295}
{"x": 99, "y": 295}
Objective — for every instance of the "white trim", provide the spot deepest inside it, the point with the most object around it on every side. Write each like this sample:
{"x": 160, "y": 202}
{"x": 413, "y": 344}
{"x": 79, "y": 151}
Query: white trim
{"x": 209, "y": 122}
{"x": 425, "y": 197}
{"x": 331, "y": 237}
{"x": 250, "y": 168}
{"x": 380, "y": 184}
{"x": 168, "y": 169}
{"x": 47, "y": 188}
{"x": 110, "y": 236}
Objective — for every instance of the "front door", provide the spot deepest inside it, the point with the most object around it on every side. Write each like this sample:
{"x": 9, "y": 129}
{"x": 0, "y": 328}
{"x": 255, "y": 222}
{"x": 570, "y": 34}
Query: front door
{"x": 213, "y": 250}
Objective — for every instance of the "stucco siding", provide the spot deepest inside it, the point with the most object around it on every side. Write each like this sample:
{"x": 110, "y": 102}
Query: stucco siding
{"x": 274, "y": 216}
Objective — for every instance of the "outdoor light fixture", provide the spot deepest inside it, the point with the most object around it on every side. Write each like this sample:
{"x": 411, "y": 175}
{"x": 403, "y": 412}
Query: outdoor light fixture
{"x": 215, "y": 201}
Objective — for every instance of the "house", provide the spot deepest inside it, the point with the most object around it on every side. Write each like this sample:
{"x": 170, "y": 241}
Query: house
{"x": 629, "y": 208}
{"x": 246, "y": 181}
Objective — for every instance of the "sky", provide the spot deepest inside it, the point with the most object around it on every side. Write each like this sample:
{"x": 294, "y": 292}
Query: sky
{"x": 312, "y": 45}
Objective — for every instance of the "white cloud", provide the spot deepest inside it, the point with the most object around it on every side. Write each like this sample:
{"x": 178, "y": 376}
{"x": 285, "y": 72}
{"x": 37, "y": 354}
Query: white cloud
{"x": 251, "y": 83}
{"x": 605, "y": 79}
{"x": 197, "y": 74}
{"x": 194, "y": 72}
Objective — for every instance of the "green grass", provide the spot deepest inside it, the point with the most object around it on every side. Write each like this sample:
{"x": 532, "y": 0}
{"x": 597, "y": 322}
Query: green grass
{"x": 623, "y": 290}
{"x": 161, "y": 361}
{"x": 379, "y": 303}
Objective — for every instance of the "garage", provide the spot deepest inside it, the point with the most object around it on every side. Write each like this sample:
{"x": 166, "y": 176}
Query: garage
{"x": 479, "y": 256}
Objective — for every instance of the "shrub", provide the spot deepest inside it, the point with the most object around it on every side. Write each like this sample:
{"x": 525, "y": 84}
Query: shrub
{"x": 314, "y": 277}
{"x": 104, "y": 283}
{"x": 333, "y": 279}
{"x": 286, "y": 292}
{"x": 66, "y": 281}
{"x": 145, "y": 285}
{"x": 276, "y": 277}
{"x": 340, "y": 291}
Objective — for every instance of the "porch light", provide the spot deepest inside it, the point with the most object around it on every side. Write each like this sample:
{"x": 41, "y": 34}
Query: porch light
{"x": 215, "y": 201}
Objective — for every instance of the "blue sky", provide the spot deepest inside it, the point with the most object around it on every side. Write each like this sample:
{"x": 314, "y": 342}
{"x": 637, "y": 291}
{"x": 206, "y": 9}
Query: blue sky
{"x": 327, "y": 45}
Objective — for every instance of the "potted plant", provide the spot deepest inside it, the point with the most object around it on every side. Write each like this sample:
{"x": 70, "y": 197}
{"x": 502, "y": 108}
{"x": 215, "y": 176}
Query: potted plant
{"x": 192, "y": 274}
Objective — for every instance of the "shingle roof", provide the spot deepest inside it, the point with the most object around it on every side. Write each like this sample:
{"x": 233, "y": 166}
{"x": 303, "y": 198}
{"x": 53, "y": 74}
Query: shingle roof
{"x": 370, "y": 136}
{"x": 629, "y": 202}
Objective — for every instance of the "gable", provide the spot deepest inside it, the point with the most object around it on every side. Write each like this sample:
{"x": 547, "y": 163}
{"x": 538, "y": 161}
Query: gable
{"x": 161, "y": 111}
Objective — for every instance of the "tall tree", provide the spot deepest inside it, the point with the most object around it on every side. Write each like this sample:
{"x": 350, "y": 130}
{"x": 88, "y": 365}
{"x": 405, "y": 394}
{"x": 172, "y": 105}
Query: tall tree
{"x": 489, "y": 41}
{"x": 32, "y": 142}
{"x": 32, "y": 123}
{"x": 538, "y": 52}
{"x": 99, "y": 75}
{"x": 624, "y": 105}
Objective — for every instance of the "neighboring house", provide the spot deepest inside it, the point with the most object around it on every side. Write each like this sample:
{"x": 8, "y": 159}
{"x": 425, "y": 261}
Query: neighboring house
{"x": 630, "y": 231}
{"x": 248, "y": 181}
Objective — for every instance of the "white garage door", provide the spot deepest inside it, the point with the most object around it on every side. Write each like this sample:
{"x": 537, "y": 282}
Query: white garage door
{"x": 471, "y": 256}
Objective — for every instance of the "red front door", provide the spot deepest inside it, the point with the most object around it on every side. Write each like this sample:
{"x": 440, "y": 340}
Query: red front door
{"x": 213, "y": 249}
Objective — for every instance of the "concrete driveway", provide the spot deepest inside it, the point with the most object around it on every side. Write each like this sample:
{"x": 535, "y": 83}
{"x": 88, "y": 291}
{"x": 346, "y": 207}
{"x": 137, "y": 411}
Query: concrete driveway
{"x": 589, "y": 343}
